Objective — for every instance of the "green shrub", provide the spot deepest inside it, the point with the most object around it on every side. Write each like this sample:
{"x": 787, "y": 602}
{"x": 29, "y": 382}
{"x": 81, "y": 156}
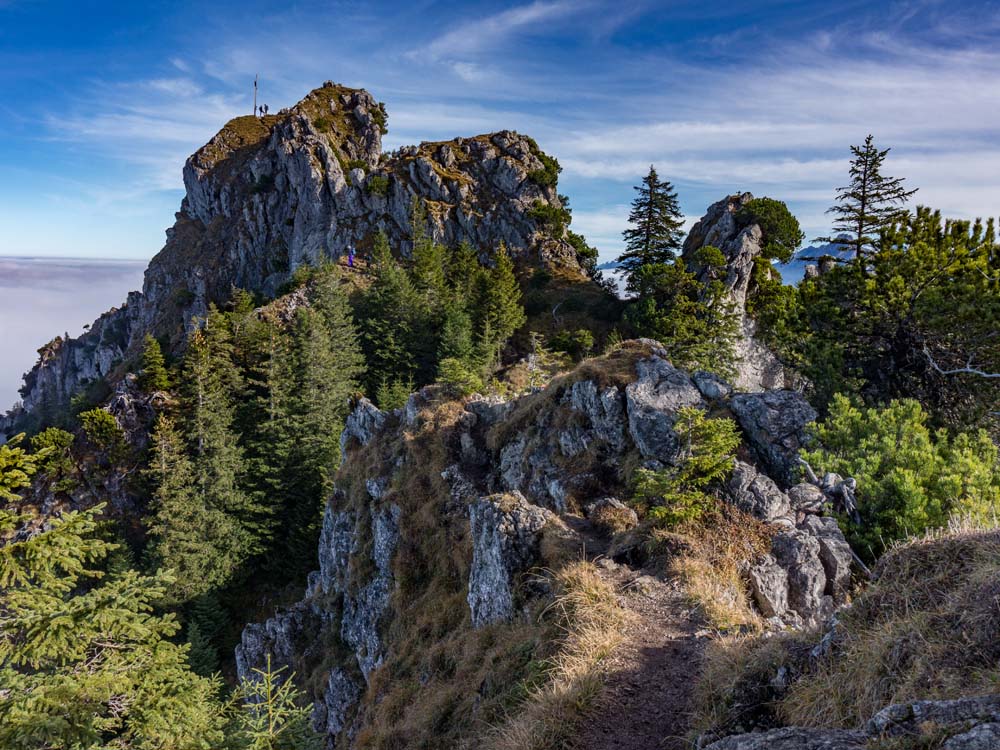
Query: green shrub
{"x": 548, "y": 175}
{"x": 781, "y": 231}
{"x": 103, "y": 431}
{"x": 381, "y": 118}
{"x": 458, "y": 378}
{"x": 910, "y": 478}
{"x": 678, "y": 494}
{"x": 550, "y": 217}
{"x": 378, "y": 184}
{"x": 53, "y": 446}
{"x": 576, "y": 343}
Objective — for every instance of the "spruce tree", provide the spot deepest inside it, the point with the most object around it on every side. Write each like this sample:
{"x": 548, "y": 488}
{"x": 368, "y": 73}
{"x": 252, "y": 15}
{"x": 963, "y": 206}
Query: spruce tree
{"x": 16, "y": 467}
{"x": 501, "y": 311}
{"x": 191, "y": 537}
{"x": 153, "y": 376}
{"x": 655, "y": 232}
{"x": 85, "y": 664}
{"x": 212, "y": 383}
{"x": 389, "y": 313}
{"x": 269, "y": 715}
{"x": 869, "y": 204}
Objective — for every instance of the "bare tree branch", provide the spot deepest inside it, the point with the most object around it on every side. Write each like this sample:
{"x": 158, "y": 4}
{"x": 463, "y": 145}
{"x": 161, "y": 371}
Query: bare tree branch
{"x": 967, "y": 370}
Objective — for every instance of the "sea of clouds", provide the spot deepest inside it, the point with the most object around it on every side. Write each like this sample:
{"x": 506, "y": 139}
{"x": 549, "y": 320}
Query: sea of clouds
{"x": 41, "y": 298}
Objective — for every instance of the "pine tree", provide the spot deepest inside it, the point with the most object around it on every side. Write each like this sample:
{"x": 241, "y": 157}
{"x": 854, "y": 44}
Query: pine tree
{"x": 203, "y": 658}
{"x": 463, "y": 271}
{"x": 869, "y": 204}
{"x": 501, "y": 311}
{"x": 197, "y": 541}
{"x": 655, "y": 234}
{"x": 88, "y": 665}
{"x": 53, "y": 450}
{"x": 269, "y": 714}
{"x": 153, "y": 376}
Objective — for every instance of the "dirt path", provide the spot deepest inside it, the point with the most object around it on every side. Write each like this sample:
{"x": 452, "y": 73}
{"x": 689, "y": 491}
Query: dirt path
{"x": 646, "y": 700}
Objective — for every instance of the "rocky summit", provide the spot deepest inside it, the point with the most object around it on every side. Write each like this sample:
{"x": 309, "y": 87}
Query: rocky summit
{"x": 268, "y": 195}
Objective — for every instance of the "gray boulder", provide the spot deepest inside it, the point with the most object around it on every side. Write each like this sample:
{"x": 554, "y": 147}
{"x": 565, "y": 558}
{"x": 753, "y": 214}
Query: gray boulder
{"x": 605, "y": 411}
{"x": 756, "y": 493}
{"x": 506, "y": 533}
{"x": 798, "y": 553}
{"x": 834, "y": 553}
{"x": 981, "y": 737}
{"x": 774, "y": 423}
{"x": 794, "y": 738}
{"x": 807, "y": 498}
{"x": 769, "y": 587}
{"x": 653, "y": 400}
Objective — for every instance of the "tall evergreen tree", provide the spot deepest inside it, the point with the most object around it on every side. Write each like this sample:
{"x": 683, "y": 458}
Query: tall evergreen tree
{"x": 389, "y": 311}
{"x": 868, "y": 205}
{"x": 655, "y": 232}
{"x": 500, "y": 308}
{"x": 153, "y": 376}
{"x": 212, "y": 383}
{"x": 196, "y": 540}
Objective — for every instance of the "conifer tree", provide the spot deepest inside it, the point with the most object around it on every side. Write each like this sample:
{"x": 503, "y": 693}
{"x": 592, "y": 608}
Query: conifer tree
{"x": 196, "y": 540}
{"x": 153, "y": 376}
{"x": 869, "y": 204}
{"x": 501, "y": 310}
{"x": 269, "y": 714}
{"x": 389, "y": 311}
{"x": 463, "y": 271}
{"x": 656, "y": 221}
{"x": 85, "y": 665}
{"x": 16, "y": 467}
{"x": 52, "y": 448}
{"x": 213, "y": 382}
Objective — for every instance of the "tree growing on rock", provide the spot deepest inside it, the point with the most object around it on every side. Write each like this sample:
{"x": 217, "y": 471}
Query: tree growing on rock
{"x": 655, "y": 232}
{"x": 153, "y": 376}
{"x": 871, "y": 202}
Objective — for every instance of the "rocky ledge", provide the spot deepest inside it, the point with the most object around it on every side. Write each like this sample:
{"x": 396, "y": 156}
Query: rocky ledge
{"x": 509, "y": 473}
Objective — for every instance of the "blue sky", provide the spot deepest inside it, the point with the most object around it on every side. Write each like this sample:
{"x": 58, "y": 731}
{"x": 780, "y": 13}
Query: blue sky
{"x": 100, "y": 103}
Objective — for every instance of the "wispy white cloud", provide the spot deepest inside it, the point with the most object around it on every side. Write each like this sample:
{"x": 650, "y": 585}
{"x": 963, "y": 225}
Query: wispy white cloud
{"x": 492, "y": 31}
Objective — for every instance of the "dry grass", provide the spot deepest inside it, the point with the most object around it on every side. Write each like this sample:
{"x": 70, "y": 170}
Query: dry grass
{"x": 711, "y": 557}
{"x": 926, "y": 628}
{"x": 592, "y": 621}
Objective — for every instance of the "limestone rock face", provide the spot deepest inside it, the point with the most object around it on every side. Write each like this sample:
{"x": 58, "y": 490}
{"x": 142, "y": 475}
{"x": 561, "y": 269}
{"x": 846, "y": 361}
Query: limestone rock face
{"x": 506, "y": 472}
{"x": 653, "y": 400}
{"x": 506, "y": 532}
{"x": 794, "y": 738}
{"x": 266, "y": 196}
{"x": 773, "y": 423}
{"x": 757, "y": 367}
{"x": 363, "y": 422}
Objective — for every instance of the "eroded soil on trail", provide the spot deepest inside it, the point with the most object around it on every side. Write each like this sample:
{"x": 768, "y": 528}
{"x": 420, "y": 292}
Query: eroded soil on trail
{"x": 645, "y": 703}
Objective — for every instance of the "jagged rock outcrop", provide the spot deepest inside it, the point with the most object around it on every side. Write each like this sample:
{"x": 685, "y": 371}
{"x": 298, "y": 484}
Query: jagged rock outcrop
{"x": 773, "y": 423}
{"x": 266, "y": 196}
{"x": 962, "y": 724}
{"x": 502, "y": 473}
{"x": 741, "y": 244}
{"x": 506, "y": 533}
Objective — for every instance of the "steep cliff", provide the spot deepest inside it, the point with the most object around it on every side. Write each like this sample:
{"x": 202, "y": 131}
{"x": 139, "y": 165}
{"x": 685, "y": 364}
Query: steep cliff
{"x": 268, "y": 195}
{"x": 442, "y": 546}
